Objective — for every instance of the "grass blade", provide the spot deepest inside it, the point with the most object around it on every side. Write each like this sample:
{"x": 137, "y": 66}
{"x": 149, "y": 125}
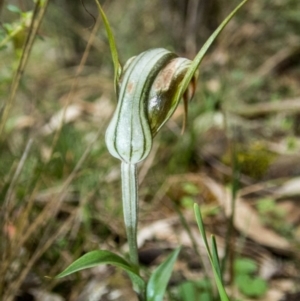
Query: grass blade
{"x": 112, "y": 46}
{"x": 215, "y": 256}
{"x": 159, "y": 279}
{"x": 201, "y": 227}
{"x": 214, "y": 260}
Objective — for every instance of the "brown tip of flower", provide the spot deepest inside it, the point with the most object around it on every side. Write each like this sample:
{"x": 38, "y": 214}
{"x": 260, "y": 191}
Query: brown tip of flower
{"x": 188, "y": 96}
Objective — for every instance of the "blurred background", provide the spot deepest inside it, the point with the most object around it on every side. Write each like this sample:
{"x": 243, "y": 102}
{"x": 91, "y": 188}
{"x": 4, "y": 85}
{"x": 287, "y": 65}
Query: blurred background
{"x": 239, "y": 155}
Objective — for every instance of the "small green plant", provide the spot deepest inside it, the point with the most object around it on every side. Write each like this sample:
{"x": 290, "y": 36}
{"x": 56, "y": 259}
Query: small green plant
{"x": 274, "y": 217}
{"x": 196, "y": 291}
{"x": 148, "y": 89}
{"x": 212, "y": 255}
{"x": 16, "y": 31}
{"x": 248, "y": 283}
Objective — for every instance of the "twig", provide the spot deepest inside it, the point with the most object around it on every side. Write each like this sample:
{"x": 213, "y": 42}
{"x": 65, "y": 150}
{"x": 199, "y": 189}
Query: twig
{"x": 289, "y": 106}
{"x": 17, "y": 173}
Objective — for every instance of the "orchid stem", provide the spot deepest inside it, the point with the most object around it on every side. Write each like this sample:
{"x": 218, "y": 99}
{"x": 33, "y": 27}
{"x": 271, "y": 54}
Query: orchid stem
{"x": 130, "y": 208}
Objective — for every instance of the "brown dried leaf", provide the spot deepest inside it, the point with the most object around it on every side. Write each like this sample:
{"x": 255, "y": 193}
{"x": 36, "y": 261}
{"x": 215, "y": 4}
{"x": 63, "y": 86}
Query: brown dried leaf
{"x": 247, "y": 220}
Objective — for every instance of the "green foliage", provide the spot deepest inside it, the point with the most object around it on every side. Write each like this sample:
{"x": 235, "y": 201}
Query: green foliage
{"x": 190, "y": 188}
{"x": 249, "y": 284}
{"x": 212, "y": 255}
{"x": 66, "y": 153}
{"x": 253, "y": 160}
{"x": 14, "y": 9}
{"x": 159, "y": 279}
{"x": 187, "y": 202}
{"x": 251, "y": 287}
{"x": 112, "y": 45}
{"x": 95, "y": 258}
{"x": 273, "y": 217}
{"x": 245, "y": 266}
{"x": 196, "y": 291}
{"x": 156, "y": 285}
{"x": 15, "y": 31}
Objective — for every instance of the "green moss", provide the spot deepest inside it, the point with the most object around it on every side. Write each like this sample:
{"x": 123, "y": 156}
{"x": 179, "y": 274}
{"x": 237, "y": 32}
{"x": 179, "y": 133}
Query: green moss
{"x": 253, "y": 160}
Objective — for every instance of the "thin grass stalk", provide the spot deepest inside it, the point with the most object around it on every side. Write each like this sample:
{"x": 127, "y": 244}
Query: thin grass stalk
{"x": 112, "y": 46}
{"x": 6, "y": 210}
{"x": 24, "y": 231}
{"x": 234, "y": 191}
{"x": 213, "y": 256}
{"x": 49, "y": 211}
{"x": 37, "y": 17}
{"x": 52, "y": 207}
{"x": 14, "y": 287}
{"x": 194, "y": 244}
{"x": 56, "y": 203}
{"x": 17, "y": 174}
{"x": 24, "y": 222}
{"x": 192, "y": 238}
{"x": 74, "y": 85}
{"x": 229, "y": 247}
{"x": 36, "y": 20}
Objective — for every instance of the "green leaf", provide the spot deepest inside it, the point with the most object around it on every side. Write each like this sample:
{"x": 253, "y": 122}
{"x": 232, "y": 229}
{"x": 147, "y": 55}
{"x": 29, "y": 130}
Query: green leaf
{"x": 112, "y": 45}
{"x": 201, "y": 228}
{"x": 196, "y": 291}
{"x": 251, "y": 287}
{"x": 245, "y": 266}
{"x": 214, "y": 262}
{"x": 98, "y": 257}
{"x": 13, "y": 8}
{"x": 187, "y": 202}
{"x": 8, "y": 27}
{"x": 188, "y": 291}
{"x": 159, "y": 279}
{"x": 190, "y": 188}
{"x": 266, "y": 205}
{"x": 215, "y": 256}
